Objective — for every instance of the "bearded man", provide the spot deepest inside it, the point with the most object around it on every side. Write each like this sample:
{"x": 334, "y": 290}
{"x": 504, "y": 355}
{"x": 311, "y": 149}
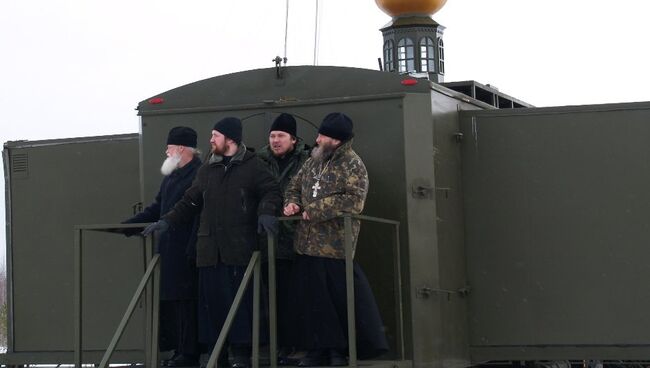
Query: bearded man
{"x": 237, "y": 197}
{"x": 178, "y": 277}
{"x": 333, "y": 182}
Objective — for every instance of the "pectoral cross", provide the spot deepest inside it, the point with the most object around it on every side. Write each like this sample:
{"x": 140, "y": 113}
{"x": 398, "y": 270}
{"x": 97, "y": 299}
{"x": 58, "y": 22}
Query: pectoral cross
{"x": 315, "y": 187}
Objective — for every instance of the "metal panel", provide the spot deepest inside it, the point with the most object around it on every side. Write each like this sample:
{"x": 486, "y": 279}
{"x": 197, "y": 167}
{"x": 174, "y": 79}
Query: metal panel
{"x": 556, "y": 203}
{"x": 70, "y": 182}
{"x": 448, "y": 193}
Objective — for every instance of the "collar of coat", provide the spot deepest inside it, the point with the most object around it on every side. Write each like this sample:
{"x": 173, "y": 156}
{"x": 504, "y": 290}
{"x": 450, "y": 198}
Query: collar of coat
{"x": 238, "y": 156}
{"x": 342, "y": 149}
{"x": 266, "y": 153}
{"x": 181, "y": 171}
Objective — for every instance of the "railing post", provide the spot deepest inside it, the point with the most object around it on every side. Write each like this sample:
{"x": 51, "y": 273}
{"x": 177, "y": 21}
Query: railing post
{"x": 398, "y": 291}
{"x": 212, "y": 362}
{"x": 149, "y": 283}
{"x": 273, "y": 325}
{"x": 256, "y": 313}
{"x": 78, "y": 346}
{"x": 148, "y": 309}
{"x": 155, "y": 306}
{"x": 152, "y": 268}
{"x": 349, "y": 281}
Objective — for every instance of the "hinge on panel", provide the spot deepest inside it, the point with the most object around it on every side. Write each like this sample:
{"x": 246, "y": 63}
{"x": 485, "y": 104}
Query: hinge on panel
{"x": 422, "y": 189}
{"x": 424, "y": 292}
{"x": 136, "y": 208}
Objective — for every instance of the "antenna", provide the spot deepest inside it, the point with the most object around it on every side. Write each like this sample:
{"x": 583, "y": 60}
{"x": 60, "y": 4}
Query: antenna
{"x": 316, "y": 35}
{"x": 286, "y": 31}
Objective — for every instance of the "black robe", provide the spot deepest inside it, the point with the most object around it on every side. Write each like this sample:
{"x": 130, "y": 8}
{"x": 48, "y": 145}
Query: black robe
{"x": 320, "y": 309}
{"x": 178, "y": 276}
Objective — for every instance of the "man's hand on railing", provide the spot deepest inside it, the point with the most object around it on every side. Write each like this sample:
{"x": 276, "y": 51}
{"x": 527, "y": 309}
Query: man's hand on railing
{"x": 160, "y": 226}
{"x": 267, "y": 223}
{"x": 129, "y": 231}
{"x": 291, "y": 209}
{"x": 125, "y": 231}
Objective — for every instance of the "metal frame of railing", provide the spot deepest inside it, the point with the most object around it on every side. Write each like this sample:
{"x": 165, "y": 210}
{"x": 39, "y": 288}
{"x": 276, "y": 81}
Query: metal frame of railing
{"x": 349, "y": 279}
{"x": 253, "y": 270}
{"x": 148, "y": 284}
{"x": 151, "y": 279}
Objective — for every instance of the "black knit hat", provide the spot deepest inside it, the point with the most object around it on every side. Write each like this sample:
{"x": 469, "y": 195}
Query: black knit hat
{"x": 182, "y": 136}
{"x": 285, "y": 123}
{"x": 338, "y": 126}
{"x": 230, "y": 127}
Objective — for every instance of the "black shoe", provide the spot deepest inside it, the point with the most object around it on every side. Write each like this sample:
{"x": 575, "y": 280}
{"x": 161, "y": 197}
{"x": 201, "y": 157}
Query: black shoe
{"x": 166, "y": 361}
{"x": 183, "y": 360}
{"x": 241, "y": 356}
{"x": 337, "y": 359}
{"x": 314, "y": 358}
{"x": 287, "y": 361}
{"x": 241, "y": 362}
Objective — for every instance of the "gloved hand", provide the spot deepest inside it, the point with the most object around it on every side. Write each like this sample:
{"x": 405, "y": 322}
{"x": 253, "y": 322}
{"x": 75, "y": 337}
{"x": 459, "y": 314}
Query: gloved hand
{"x": 128, "y": 232}
{"x": 161, "y": 226}
{"x": 267, "y": 223}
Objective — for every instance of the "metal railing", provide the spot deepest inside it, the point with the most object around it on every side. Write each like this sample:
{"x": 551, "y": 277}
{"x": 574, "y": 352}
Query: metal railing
{"x": 253, "y": 270}
{"x": 150, "y": 284}
{"x": 349, "y": 279}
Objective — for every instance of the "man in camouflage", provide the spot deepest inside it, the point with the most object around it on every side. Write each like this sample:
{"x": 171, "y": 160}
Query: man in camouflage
{"x": 332, "y": 183}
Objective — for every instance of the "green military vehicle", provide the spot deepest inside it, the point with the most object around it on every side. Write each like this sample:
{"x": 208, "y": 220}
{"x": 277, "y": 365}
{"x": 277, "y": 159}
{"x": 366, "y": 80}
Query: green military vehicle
{"x": 521, "y": 230}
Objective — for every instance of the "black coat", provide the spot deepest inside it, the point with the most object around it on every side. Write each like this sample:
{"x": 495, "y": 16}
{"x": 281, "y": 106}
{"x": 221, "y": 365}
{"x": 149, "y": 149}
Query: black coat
{"x": 230, "y": 198}
{"x": 177, "y": 245}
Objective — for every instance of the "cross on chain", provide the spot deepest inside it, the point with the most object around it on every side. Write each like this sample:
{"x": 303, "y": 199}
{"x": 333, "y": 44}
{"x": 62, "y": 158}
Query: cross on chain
{"x": 315, "y": 187}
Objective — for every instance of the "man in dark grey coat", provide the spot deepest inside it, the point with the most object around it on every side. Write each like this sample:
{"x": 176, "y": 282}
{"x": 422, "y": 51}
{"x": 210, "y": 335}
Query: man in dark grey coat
{"x": 284, "y": 156}
{"x": 236, "y": 197}
{"x": 178, "y": 324}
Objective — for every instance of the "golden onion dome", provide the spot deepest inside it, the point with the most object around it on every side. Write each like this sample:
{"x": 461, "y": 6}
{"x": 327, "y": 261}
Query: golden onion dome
{"x": 396, "y": 8}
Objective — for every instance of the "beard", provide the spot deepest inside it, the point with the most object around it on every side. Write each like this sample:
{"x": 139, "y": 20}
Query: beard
{"x": 219, "y": 150}
{"x": 170, "y": 164}
{"x": 322, "y": 152}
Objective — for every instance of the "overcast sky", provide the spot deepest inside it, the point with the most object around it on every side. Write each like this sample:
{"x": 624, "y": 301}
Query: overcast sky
{"x": 72, "y": 68}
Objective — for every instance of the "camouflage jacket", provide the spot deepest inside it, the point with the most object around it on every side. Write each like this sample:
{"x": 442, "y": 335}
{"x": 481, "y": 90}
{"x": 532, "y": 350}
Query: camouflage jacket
{"x": 287, "y": 228}
{"x": 342, "y": 189}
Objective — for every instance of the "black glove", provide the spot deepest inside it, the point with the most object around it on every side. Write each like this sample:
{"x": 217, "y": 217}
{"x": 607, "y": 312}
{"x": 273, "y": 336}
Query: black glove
{"x": 126, "y": 232}
{"x": 131, "y": 231}
{"x": 267, "y": 223}
{"x": 161, "y": 226}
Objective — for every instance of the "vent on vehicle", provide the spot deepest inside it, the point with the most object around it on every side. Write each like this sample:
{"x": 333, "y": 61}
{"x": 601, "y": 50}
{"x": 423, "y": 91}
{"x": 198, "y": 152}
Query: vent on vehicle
{"x": 19, "y": 163}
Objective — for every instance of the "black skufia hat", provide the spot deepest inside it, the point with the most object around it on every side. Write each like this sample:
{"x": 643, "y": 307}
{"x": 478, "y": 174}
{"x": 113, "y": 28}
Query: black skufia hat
{"x": 230, "y": 127}
{"x": 182, "y": 136}
{"x": 285, "y": 123}
{"x": 338, "y": 126}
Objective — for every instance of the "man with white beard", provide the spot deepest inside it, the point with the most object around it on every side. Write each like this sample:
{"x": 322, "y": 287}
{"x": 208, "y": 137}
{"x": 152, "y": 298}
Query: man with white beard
{"x": 178, "y": 277}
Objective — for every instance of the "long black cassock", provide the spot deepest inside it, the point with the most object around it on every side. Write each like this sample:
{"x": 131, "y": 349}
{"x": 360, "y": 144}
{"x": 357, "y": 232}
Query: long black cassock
{"x": 178, "y": 277}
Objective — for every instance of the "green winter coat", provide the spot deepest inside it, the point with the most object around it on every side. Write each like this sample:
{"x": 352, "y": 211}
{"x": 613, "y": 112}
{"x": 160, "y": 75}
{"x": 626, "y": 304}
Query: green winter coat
{"x": 297, "y": 157}
{"x": 342, "y": 189}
